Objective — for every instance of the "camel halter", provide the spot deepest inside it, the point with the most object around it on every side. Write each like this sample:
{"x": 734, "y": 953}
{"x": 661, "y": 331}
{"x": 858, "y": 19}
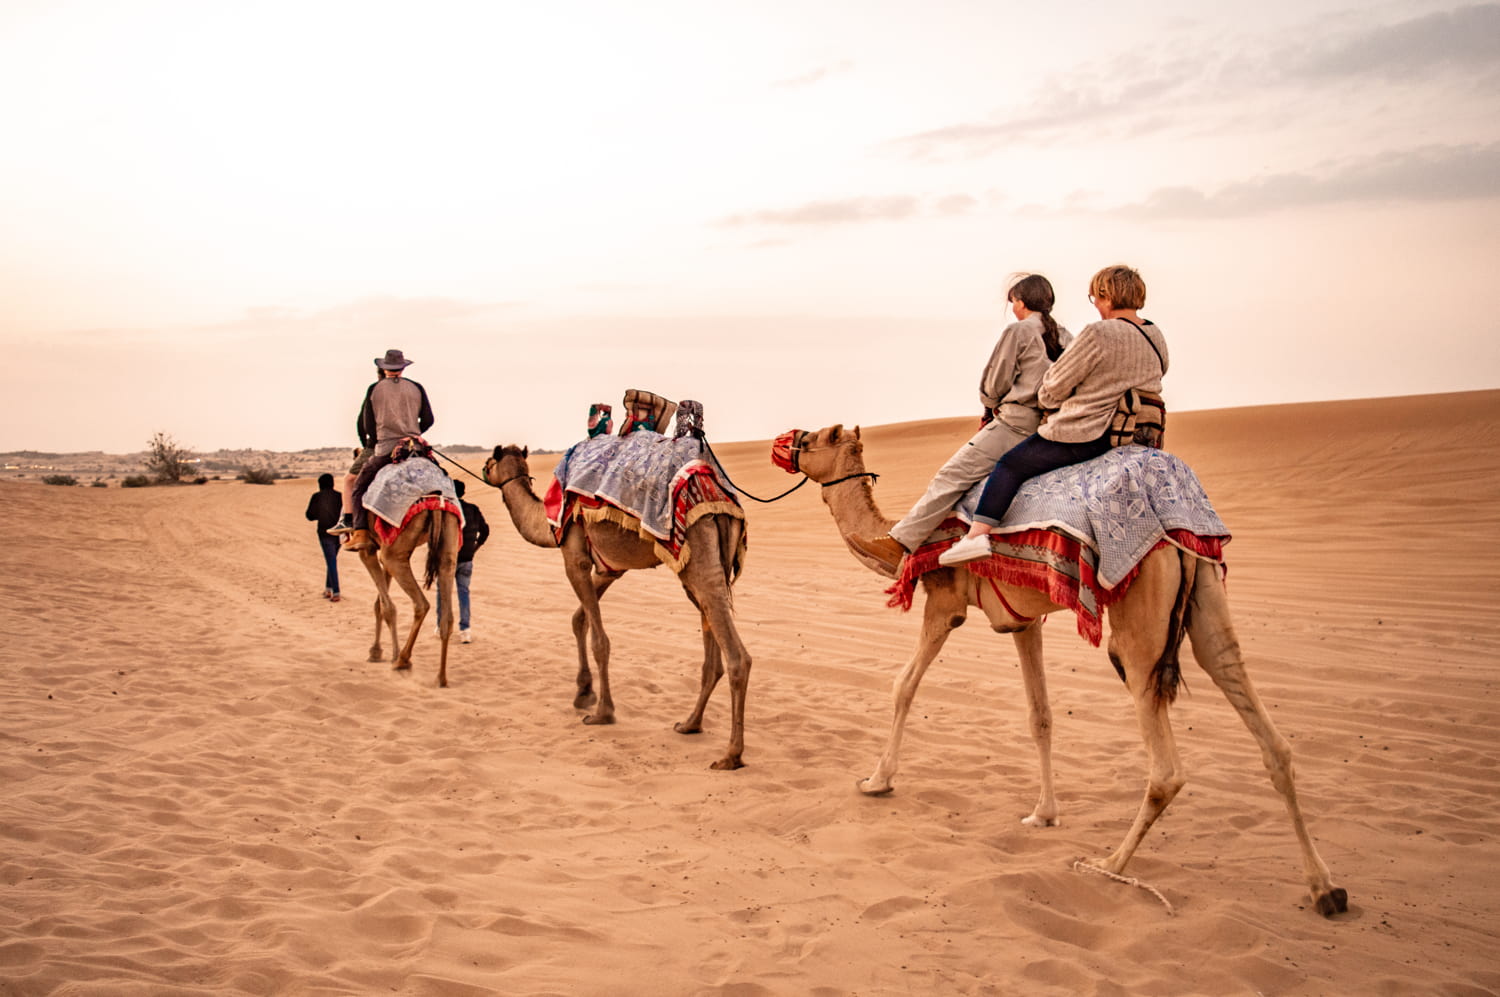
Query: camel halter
{"x": 785, "y": 450}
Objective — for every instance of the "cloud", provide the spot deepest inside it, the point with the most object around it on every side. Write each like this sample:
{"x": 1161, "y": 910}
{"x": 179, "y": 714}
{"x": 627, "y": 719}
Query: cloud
{"x": 1458, "y": 39}
{"x": 1136, "y": 97}
{"x": 856, "y": 210}
{"x": 814, "y": 76}
{"x": 1431, "y": 173}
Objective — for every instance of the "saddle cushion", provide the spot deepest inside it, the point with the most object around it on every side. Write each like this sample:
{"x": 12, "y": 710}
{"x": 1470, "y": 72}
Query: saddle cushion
{"x": 1079, "y": 534}
{"x": 655, "y": 485}
{"x": 397, "y": 487}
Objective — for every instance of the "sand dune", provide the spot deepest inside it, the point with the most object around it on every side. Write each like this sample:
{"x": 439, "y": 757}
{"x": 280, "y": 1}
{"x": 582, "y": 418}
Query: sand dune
{"x": 208, "y": 789}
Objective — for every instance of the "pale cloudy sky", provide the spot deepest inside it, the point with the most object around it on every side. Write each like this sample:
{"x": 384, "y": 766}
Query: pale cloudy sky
{"x": 215, "y": 214}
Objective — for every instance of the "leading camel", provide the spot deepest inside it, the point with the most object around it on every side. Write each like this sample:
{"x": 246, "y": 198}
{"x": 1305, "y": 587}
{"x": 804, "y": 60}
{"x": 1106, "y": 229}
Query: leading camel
{"x": 1141, "y": 637}
{"x": 441, "y": 533}
{"x": 597, "y": 554}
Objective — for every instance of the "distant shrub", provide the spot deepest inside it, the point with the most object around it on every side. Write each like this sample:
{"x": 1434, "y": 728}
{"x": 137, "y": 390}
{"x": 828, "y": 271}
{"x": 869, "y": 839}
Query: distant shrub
{"x": 166, "y": 459}
{"x": 257, "y": 476}
{"x": 200, "y": 480}
{"x": 136, "y": 481}
{"x": 59, "y": 479}
{"x": 98, "y": 483}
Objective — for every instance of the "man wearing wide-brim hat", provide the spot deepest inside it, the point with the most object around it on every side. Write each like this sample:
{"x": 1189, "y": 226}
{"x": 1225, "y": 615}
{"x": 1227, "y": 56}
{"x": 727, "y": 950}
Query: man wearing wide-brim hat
{"x": 395, "y": 408}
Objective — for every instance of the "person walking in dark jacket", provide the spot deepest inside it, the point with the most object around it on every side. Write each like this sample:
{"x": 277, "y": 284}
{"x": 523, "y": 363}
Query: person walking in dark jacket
{"x": 476, "y": 532}
{"x": 323, "y": 508}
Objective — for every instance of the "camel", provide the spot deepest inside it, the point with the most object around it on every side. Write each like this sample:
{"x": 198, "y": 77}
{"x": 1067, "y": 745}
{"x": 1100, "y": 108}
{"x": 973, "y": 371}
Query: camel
{"x": 441, "y": 533}
{"x": 597, "y": 554}
{"x": 1168, "y": 594}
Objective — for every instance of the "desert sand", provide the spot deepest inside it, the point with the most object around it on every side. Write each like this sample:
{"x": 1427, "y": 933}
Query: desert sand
{"x": 208, "y": 789}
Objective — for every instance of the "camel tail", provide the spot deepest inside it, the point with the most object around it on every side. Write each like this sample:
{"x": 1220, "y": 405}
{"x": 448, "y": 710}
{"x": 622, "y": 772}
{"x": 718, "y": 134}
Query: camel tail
{"x": 434, "y": 546}
{"x": 731, "y": 535}
{"x": 1166, "y": 674}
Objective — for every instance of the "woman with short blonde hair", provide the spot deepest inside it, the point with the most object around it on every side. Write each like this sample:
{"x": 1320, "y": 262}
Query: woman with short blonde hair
{"x": 1118, "y": 353}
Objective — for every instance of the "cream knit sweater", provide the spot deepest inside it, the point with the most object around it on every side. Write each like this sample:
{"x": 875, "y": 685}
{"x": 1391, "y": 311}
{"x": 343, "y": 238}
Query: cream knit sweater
{"x": 1107, "y": 359}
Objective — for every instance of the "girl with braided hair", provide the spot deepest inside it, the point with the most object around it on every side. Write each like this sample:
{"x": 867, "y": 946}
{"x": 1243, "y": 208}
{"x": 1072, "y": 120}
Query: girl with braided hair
{"x": 1007, "y": 390}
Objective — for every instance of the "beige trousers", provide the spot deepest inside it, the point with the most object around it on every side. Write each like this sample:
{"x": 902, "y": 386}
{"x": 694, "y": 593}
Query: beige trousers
{"x": 972, "y": 463}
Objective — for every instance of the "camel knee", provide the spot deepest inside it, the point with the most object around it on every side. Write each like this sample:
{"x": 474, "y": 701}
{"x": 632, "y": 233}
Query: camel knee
{"x": 1162, "y": 791}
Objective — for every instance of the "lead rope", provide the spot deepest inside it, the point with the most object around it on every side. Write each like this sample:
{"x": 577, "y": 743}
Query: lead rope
{"x": 720, "y": 465}
{"x": 476, "y": 477}
{"x": 1082, "y": 866}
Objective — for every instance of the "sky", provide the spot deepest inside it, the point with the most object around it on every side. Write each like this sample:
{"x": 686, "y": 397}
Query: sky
{"x": 214, "y": 215}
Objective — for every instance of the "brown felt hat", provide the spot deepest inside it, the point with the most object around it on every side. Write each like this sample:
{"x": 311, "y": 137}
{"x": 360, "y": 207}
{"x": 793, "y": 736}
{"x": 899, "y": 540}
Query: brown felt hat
{"x": 393, "y": 360}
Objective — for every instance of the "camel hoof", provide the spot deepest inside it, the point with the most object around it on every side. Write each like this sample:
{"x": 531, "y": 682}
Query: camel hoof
{"x": 401, "y": 666}
{"x": 685, "y": 728}
{"x": 1335, "y": 901}
{"x": 584, "y": 700}
{"x": 728, "y": 764}
{"x": 376, "y": 654}
{"x": 1035, "y": 821}
{"x": 866, "y": 787}
{"x": 595, "y": 720}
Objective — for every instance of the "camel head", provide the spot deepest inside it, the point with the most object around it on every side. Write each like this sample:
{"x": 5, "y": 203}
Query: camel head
{"x": 823, "y": 455}
{"x": 507, "y": 464}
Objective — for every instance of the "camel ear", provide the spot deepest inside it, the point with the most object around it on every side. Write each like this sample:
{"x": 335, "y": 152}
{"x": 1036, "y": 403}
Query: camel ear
{"x": 496, "y": 454}
{"x": 835, "y": 431}
{"x": 856, "y": 432}
{"x": 525, "y": 452}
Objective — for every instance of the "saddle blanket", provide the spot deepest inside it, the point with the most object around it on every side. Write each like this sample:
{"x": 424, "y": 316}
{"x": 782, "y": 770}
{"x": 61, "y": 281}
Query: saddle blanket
{"x": 397, "y": 487}
{"x": 387, "y": 533}
{"x": 1079, "y": 534}
{"x": 655, "y": 485}
{"x": 638, "y": 473}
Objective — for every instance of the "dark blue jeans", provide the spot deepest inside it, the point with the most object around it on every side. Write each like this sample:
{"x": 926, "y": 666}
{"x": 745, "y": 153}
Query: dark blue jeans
{"x": 1032, "y": 456}
{"x": 330, "y": 547}
{"x": 462, "y": 576}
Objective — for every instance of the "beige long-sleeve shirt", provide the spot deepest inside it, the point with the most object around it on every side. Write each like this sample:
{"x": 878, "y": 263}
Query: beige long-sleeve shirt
{"x": 1107, "y": 359}
{"x": 1016, "y": 367}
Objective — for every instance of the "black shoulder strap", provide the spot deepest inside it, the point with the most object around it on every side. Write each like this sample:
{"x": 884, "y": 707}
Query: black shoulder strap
{"x": 1149, "y": 343}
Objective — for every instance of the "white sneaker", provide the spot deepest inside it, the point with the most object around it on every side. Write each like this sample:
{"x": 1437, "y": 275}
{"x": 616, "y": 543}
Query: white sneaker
{"x": 968, "y": 549}
{"x": 463, "y": 637}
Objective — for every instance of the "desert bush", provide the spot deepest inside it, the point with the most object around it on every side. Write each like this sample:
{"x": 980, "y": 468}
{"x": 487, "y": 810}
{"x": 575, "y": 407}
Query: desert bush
{"x": 59, "y": 479}
{"x": 99, "y": 483}
{"x": 135, "y": 481}
{"x": 166, "y": 460}
{"x": 257, "y": 476}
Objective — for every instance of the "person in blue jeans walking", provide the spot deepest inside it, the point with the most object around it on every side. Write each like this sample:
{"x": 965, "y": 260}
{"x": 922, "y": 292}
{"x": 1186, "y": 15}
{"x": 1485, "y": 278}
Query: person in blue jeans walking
{"x": 476, "y": 532}
{"x": 323, "y": 508}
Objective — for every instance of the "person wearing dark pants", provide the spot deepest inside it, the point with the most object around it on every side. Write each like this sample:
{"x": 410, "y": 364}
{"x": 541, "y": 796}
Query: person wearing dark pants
{"x": 1082, "y": 390}
{"x": 476, "y": 532}
{"x": 323, "y": 508}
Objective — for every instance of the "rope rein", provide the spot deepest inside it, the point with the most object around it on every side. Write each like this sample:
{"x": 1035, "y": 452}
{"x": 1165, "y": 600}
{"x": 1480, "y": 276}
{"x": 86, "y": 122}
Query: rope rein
{"x": 720, "y": 465}
{"x": 476, "y": 477}
{"x": 717, "y": 463}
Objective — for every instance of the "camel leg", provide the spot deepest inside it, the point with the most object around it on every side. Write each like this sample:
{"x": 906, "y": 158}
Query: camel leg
{"x": 1138, "y": 633}
{"x": 400, "y": 569}
{"x": 580, "y": 623}
{"x": 1039, "y": 712}
{"x": 451, "y": 539}
{"x": 580, "y": 570}
{"x": 385, "y": 608}
{"x": 943, "y": 610}
{"x": 718, "y": 612}
{"x": 713, "y": 670}
{"x": 1218, "y": 651}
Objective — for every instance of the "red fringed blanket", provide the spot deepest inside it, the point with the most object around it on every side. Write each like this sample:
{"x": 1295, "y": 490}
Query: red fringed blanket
{"x": 696, "y": 492}
{"x": 387, "y": 534}
{"x": 1049, "y": 561}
